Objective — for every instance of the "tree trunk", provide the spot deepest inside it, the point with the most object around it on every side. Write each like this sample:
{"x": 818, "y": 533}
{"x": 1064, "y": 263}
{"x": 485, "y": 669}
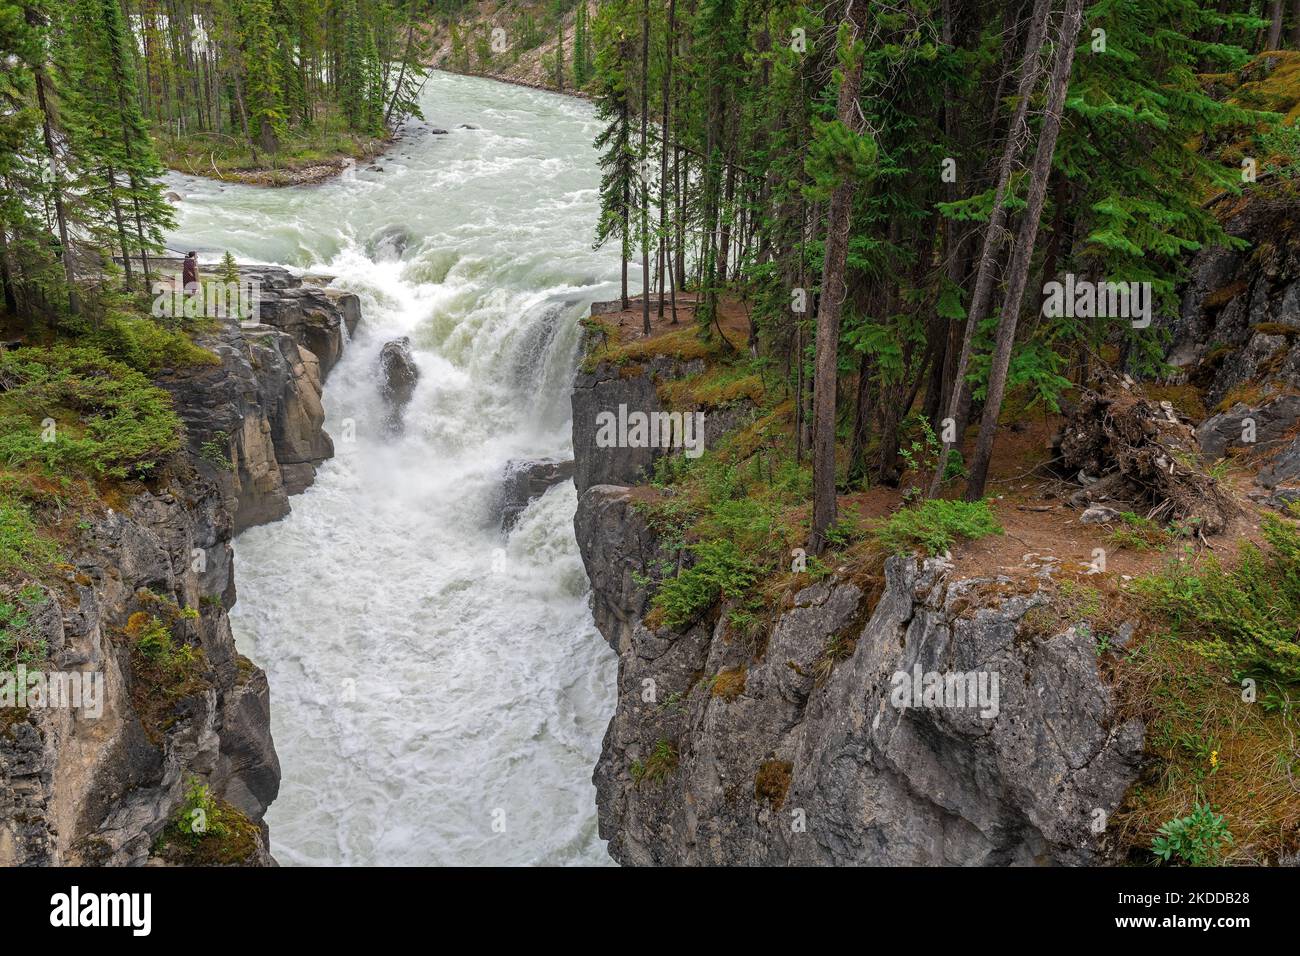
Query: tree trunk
{"x": 663, "y": 156}
{"x": 6, "y": 277}
{"x": 645, "y": 158}
{"x": 1275, "y": 27}
{"x": 626, "y": 204}
{"x": 1018, "y": 273}
{"x": 1030, "y": 68}
{"x": 60, "y": 214}
{"x": 111, "y": 175}
{"x": 832, "y": 302}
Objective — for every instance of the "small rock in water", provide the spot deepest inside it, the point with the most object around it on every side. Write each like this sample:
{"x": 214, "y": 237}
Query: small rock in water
{"x": 400, "y": 375}
{"x": 388, "y": 243}
{"x": 526, "y": 479}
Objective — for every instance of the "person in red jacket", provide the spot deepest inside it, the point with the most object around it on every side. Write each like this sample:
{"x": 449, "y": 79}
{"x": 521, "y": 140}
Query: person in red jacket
{"x": 190, "y": 272}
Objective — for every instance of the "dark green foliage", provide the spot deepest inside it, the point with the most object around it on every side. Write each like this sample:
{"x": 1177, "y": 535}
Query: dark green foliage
{"x": 720, "y": 570}
{"x": 1198, "y": 839}
{"x": 1243, "y": 615}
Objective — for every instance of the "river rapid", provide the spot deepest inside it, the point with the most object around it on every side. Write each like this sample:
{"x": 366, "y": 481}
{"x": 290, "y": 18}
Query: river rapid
{"x": 438, "y": 692}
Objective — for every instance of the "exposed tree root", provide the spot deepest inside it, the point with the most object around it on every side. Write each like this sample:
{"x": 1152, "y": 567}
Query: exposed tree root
{"x": 1127, "y": 447}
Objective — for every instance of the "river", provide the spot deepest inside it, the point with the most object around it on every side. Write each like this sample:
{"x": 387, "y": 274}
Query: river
{"x": 438, "y": 692}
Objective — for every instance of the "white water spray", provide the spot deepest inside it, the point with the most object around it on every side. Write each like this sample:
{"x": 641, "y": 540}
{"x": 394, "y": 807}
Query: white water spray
{"x": 438, "y": 693}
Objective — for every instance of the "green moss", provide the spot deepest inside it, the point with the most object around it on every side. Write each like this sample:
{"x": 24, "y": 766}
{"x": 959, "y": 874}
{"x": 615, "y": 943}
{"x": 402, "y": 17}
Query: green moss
{"x": 715, "y": 387}
{"x": 728, "y": 684}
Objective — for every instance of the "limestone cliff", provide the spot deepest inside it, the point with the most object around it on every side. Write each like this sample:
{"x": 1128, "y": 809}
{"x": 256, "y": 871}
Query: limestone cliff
{"x": 1237, "y": 338}
{"x": 254, "y": 421}
{"x": 100, "y": 789}
{"x": 785, "y": 744}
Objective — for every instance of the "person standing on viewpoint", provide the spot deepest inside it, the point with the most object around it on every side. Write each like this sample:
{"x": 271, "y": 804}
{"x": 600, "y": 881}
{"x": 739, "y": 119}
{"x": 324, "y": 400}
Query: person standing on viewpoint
{"x": 190, "y": 273}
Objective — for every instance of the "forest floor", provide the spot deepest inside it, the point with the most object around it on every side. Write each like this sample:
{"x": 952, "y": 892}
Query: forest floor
{"x": 1030, "y": 501}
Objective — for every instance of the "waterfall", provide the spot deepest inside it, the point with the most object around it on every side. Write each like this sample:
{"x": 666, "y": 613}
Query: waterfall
{"x": 438, "y": 692}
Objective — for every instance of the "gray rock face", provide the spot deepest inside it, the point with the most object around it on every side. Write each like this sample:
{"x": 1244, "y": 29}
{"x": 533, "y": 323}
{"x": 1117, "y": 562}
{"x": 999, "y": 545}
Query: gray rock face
{"x": 782, "y": 759}
{"x": 319, "y": 319}
{"x": 78, "y": 789}
{"x": 607, "y": 387}
{"x": 1239, "y": 320}
{"x": 1283, "y": 469}
{"x": 400, "y": 375}
{"x": 604, "y": 390}
{"x": 1273, "y": 426}
{"x": 1227, "y": 430}
{"x": 524, "y": 481}
{"x": 623, "y": 558}
{"x": 255, "y": 421}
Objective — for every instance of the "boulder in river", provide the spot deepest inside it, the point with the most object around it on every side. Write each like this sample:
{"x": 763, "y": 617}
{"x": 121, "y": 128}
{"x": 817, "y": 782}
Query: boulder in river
{"x": 388, "y": 244}
{"x": 400, "y": 375}
{"x": 527, "y": 479}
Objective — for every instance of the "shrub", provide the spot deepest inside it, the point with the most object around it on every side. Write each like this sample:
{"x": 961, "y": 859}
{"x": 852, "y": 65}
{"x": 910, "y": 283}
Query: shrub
{"x": 1137, "y": 533}
{"x": 199, "y": 817}
{"x": 153, "y": 640}
{"x": 207, "y": 831}
{"x": 73, "y": 410}
{"x": 720, "y": 569}
{"x": 1244, "y": 616}
{"x": 932, "y": 526}
{"x": 1197, "y": 839}
{"x": 146, "y": 346}
{"x": 19, "y": 642}
{"x": 656, "y": 768}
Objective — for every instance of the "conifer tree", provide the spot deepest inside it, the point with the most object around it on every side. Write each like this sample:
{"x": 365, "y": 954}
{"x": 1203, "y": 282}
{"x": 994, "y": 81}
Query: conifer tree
{"x": 618, "y": 155}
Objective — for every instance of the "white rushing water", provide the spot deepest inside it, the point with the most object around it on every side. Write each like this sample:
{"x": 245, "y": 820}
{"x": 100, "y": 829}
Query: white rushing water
{"x": 432, "y": 684}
